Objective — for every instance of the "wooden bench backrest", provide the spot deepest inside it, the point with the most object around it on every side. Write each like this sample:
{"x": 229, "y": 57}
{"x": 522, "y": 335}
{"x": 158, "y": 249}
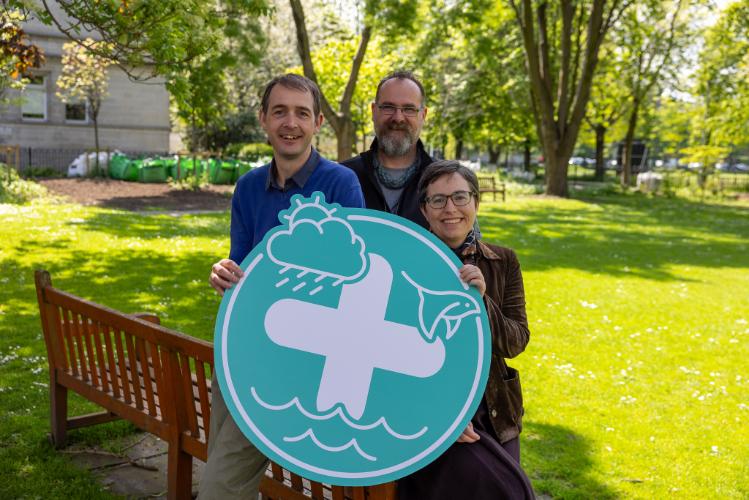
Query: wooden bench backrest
{"x": 487, "y": 183}
{"x": 134, "y": 363}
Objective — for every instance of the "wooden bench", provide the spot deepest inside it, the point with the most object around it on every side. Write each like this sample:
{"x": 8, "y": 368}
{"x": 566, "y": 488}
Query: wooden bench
{"x": 129, "y": 365}
{"x": 489, "y": 184}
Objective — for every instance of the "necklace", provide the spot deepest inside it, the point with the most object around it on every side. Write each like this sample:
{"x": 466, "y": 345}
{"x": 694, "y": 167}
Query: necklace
{"x": 391, "y": 181}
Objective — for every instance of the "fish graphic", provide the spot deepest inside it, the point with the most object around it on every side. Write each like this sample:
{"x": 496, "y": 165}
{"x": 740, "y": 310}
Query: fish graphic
{"x": 441, "y": 311}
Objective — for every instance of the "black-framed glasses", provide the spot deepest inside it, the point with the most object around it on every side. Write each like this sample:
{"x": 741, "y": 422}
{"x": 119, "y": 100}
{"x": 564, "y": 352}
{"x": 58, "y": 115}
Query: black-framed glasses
{"x": 460, "y": 198}
{"x": 389, "y": 109}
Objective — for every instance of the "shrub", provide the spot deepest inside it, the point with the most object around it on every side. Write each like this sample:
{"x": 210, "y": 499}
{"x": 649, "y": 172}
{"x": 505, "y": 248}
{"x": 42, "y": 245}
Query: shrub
{"x": 15, "y": 190}
{"x": 43, "y": 172}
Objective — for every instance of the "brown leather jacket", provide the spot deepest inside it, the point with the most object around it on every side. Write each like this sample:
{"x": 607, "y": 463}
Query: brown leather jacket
{"x": 505, "y": 305}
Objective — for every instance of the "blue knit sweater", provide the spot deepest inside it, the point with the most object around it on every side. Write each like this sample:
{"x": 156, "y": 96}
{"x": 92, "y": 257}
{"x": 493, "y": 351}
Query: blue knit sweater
{"x": 256, "y": 203}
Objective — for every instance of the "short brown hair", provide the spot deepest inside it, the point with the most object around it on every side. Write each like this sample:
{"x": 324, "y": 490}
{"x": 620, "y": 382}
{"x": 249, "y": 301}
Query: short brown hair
{"x": 446, "y": 167}
{"x": 401, "y": 75}
{"x": 296, "y": 82}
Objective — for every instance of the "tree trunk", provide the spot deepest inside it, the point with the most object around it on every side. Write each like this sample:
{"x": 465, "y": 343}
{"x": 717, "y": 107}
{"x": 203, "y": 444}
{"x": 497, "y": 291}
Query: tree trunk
{"x": 340, "y": 121}
{"x": 97, "y": 167}
{"x": 627, "y": 179}
{"x": 94, "y": 107}
{"x": 494, "y": 151}
{"x": 346, "y": 136}
{"x": 527, "y": 155}
{"x": 560, "y": 92}
{"x": 556, "y": 175}
{"x": 600, "y": 143}
{"x": 458, "y": 149}
{"x": 194, "y": 141}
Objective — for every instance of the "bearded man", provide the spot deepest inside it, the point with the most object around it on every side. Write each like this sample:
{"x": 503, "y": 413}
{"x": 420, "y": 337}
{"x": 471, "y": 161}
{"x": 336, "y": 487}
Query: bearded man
{"x": 389, "y": 171}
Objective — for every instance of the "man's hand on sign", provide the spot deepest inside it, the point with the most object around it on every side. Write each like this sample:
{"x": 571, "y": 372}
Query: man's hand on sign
{"x": 224, "y": 274}
{"x": 469, "y": 435}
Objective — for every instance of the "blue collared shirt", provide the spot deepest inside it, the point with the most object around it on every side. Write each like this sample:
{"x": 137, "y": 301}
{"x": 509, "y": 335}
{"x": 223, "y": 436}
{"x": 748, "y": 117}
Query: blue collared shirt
{"x": 299, "y": 178}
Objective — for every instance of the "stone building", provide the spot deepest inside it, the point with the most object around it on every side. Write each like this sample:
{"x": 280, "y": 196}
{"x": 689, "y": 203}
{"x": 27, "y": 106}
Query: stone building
{"x": 134, "y": 116}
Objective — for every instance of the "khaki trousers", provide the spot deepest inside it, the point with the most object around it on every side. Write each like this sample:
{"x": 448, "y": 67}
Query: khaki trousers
{"x": 235, "y": 467}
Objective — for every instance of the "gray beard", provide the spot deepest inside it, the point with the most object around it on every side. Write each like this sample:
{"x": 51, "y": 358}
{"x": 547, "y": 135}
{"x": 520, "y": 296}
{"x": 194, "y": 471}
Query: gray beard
{"x": 395, "y": 146}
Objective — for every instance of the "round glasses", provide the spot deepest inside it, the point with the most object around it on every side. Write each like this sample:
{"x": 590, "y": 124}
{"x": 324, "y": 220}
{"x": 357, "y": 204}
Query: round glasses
{"x": 460, "y": 198}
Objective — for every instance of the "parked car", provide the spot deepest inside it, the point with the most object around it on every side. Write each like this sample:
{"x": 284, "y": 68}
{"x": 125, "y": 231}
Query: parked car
{"x": 583, "y": 162}
{"x": 732, "y": 167}
{"x": 668, "y": 164}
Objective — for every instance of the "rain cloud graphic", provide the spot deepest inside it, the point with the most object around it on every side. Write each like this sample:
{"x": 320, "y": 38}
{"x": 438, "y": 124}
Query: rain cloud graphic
{"x": 314, "y": 228}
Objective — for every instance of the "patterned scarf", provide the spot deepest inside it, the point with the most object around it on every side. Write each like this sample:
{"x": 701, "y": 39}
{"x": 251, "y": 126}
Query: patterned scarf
{"x": 395, "y": 182}
{"x": 468, "y": 248}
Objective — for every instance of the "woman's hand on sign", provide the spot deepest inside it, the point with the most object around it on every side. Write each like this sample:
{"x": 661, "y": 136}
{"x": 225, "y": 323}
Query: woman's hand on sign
{"x": 473, "y": 276}
{"x": 468, "y": 435}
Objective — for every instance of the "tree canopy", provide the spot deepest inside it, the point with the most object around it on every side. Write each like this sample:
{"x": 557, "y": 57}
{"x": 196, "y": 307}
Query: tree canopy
{"x": 499, "y": 75}
{"x": 17, "y": 55}
{"x": 723, "y": 79}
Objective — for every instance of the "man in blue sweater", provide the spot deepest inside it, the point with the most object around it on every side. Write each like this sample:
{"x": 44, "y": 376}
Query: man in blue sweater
{"x": 290, "y": 115}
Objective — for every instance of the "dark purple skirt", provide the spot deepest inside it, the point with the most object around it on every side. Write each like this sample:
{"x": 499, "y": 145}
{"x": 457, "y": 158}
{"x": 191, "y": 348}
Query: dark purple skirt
{"x": 484, "y": 470}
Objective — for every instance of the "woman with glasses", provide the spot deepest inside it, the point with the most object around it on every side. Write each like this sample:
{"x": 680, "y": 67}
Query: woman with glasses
{"x": 484, "y": 463}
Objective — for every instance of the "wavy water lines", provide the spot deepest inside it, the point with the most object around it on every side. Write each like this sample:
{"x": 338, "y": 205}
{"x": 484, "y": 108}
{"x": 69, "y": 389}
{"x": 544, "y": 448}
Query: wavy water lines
{"x": 351, "y": 444}
{"x": 338, "y": 411}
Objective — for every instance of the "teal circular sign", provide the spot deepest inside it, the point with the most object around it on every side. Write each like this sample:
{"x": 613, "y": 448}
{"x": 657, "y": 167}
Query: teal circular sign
{"x": 350, "y": 352}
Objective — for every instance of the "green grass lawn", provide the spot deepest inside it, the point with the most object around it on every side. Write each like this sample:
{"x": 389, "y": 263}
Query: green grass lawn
{"x": 636, "y": 380}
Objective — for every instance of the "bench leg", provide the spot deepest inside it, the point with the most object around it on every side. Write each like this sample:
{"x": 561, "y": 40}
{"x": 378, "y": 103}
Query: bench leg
{"x": 58, "y": 406}
{"x": 179, "y": 473}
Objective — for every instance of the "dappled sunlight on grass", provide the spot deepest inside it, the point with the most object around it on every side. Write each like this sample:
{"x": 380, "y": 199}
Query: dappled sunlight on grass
{"x": 632, "y": 235}
{"x": 635, "y": 380}
{"x": 639, "y": 337}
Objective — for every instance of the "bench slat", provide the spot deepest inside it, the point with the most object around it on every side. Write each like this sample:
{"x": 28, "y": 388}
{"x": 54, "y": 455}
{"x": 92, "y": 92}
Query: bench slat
{"x": 187, "y": 387}
{"x": 56, "y": 340}
{"x": 85, "y": 329}
{"x": 204, "y": 401}
{"x": 123, "y": 370}
{"x": 128, "y": 412}
{"x": 157, "y": 334}
{"x": 337, "y": 493}
{"x": 100, "y": 359}
{"x": 296, "y": 482}
{"x": 144, "y": 369}
{"x": 156, "y": 371}
{"x": 278, "y": 490}
{"x": 317, "y": 489}
{"x": 77, "y": 345}
{"x": 131, "y": 377}
{"x": 111, "y": 366}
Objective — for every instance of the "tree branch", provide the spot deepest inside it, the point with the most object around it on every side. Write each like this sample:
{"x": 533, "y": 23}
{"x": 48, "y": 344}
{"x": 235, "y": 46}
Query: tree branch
{"x": 305, "y": 55}
{"x": 590, "y": 60}
{"x": 348, "y": 93}
{"x": 563, "y": 98}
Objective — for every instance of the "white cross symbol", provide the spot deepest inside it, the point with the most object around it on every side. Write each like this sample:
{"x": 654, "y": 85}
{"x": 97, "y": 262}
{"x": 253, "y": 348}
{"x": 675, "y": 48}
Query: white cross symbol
{"x": 355, "y": 339}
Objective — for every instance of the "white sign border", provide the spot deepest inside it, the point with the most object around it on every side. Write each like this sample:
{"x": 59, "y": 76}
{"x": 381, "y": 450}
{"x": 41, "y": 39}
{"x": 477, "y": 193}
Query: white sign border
{"x": 338, "y": 474}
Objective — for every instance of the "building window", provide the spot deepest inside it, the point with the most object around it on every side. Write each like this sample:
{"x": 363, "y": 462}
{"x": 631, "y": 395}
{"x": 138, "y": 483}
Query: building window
{"x": 76, "y": 112}
{"x": 34, "y": 105}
